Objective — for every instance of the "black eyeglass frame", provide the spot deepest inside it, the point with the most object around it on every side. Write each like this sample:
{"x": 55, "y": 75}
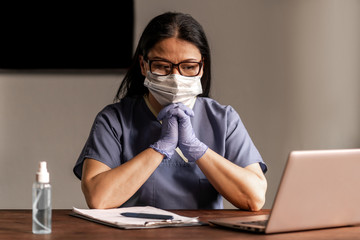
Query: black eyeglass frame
{"x": 174, "y": 65}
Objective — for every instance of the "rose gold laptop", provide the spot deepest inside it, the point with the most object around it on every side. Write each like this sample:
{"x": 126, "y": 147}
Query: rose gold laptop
{"x": 318, "y": 189}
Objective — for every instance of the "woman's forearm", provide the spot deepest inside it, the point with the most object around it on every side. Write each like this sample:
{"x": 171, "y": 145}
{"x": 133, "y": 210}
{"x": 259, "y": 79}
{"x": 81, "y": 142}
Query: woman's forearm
{"x": 245, "y": 188}
{"x": 104, "y": 187}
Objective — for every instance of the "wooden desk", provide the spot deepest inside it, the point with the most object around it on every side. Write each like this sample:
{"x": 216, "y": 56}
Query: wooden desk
{"x": 16, "y": 224}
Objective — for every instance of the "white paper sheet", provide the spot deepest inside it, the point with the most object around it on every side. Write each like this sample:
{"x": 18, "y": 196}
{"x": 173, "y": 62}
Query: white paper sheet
{"x": 113, "y": 217}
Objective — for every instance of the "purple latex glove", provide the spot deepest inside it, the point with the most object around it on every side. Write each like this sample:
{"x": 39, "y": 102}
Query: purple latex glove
{"x": 169, "y": 132}
{"x": 189, "y": 144}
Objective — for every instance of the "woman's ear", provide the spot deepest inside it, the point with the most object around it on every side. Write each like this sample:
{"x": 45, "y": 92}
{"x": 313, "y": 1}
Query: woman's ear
{"x": 142, "y": 65}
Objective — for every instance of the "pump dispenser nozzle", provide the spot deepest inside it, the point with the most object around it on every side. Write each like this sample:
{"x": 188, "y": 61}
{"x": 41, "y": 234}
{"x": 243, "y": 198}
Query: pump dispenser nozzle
{"x": 42, "y": 175}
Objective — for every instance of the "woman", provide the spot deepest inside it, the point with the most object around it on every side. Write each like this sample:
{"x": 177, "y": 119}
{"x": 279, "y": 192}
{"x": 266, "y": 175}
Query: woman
{"x": 165, "y": 143}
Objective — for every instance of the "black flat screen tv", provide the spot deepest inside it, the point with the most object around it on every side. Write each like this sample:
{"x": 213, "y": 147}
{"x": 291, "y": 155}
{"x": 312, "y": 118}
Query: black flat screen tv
{"x": 98, "y": 36}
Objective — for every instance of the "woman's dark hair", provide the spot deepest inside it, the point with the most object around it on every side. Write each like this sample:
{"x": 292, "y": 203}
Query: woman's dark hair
{"x": 167, "y": 25}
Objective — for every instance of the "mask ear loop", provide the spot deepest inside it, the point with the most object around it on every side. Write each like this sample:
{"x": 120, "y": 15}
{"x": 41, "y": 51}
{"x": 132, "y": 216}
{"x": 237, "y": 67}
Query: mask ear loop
{"x": 155, "y": 114}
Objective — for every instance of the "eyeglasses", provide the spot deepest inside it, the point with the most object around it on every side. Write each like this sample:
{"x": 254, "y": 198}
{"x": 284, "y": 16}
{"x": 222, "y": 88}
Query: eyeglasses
{"x": 163, "y": 67}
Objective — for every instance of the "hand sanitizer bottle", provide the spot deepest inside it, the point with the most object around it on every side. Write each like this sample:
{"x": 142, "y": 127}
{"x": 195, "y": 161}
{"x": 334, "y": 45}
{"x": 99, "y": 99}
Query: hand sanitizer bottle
{"x": 41, "y": 203}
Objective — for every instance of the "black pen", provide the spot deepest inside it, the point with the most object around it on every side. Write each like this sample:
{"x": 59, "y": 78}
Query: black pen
{"x": 147, "y": 215}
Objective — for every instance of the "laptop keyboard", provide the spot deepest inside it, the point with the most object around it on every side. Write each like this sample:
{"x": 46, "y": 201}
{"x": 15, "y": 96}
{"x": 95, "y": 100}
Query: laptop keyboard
{"x": 257, "y": 223}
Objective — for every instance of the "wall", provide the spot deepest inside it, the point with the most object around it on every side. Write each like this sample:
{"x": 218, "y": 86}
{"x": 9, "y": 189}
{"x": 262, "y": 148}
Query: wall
{"x": 289, "y": 67}
{"x": 47, "y": 116}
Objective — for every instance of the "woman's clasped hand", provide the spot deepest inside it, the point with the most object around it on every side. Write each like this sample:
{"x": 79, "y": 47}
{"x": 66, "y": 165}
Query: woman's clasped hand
{"x": 177, "y": 131}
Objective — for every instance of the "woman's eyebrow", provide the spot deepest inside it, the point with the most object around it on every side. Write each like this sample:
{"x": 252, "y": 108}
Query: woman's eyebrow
{"x": 185, "y": 60}
{"x": 160, "y": 58}
{"x": 191, "y": 60}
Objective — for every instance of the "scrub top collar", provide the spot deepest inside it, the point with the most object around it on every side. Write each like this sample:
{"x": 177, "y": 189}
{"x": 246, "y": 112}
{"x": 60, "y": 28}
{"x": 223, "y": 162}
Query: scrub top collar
{"x": 148, "y": 104}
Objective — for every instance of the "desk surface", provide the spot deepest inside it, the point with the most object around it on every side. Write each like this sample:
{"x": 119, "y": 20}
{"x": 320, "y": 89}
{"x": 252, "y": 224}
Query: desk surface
{"x": 16, "y": 224}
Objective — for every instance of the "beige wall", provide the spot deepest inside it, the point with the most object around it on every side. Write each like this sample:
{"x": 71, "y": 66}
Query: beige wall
{"x": 289, "y": 67}
{"x": 47, "y": 117}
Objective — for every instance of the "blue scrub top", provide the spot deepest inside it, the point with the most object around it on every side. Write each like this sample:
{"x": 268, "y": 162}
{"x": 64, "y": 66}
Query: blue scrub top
{"x": 124, "y": 129}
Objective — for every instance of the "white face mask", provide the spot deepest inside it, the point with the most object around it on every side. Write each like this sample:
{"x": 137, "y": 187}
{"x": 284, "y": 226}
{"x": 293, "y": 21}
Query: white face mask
{"x": 173, "y": 88}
